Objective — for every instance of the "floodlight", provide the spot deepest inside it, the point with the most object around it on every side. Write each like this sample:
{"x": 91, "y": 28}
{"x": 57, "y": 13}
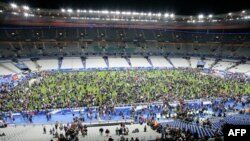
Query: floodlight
{"x": 210, "y": 16}
{"x": 149, "y": 14}
{"x": 201, "y": 16}
{"x": 230, "y": 14}
{"x": 166, "y": 15}
{"x": 90, "y": 11}
{"x": 117, "y": 12}
{"x": 105, "y": 12}
{"x": 69, "y": 10}
{"x": 135, "y": 13}
{"x": 25, "y": 7}
{"x": 159, "y": 14}
{"x": 26, "y": 14}
{"x": 243, "y": 11}
{"x": 78, "y": 11}
{"x": 13, "y": 5}
{"x": 63, "y": 10}
{"x": 172, "y": 15}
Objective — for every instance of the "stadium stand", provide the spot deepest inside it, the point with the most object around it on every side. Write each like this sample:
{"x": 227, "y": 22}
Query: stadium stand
{"x": 5, "y": 71}
{"x": 224, "y": 64}
{"x": 179, "y": 62}
{"x": 160, "y": 62}
{"x": 150, "y": 75}
{"x": 241, "y": 68}
{"x": 194, "y": 62}
{"x": 139, "y": 62}
{"x": 48, "y": 64}
{"x": 209, "y": 62}
{"x": 10, "y": 66}
{"x": 117, "y": 62}
{"x": 72, "y": 63}
{"x": 30, "y": 64}
{"x": 95, "y": 62}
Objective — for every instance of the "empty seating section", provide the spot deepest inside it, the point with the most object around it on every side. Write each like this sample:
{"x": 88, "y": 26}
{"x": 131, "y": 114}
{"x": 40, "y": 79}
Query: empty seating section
{"x": 117, "y": 62}
{"x": 4, "y": 71}
{"x": 48, "y": 64}
{"x": 30, "y": 64}
{"x": 139, "y": 62}
{"x": 95, "y": 62}
{"x": 72, "y": 63}
{"x": 194, "y": 62}
{"x": 158, "y": 61}
{"x": 10, "y": 66}
{"x": 241, "y": 68}
{"x": 179, "y": 62}
{"x": 208, "y": 63}
{"x": 223, "y": 65}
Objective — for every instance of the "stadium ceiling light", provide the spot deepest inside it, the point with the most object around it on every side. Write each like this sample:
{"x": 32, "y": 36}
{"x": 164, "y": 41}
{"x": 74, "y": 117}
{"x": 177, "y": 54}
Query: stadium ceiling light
{"x": 230, "y": 14}
{"x": 128, "y": 13}
{"x": 63, "y": 10}
{"x": 13, "y": 5}
{"x": 149, "y": 14}
{"x": 105, "y": 12}
{"x": 243, "y": 11}
{"x": 166, "y": 15}
{"x": 26, "y": 14}
{"x": 117, "y": 12}
{"x": 210, "y": 16}
{"x": 25, "y": 7}
{"x": 69, "y": 10}
{"x": 78, "y": 11}
{"x": 135, "y": 13}
{"x": 90, "y": 11}
{"x": 159, "y": 14}
{"x": 172, "y": 15}
{"x": 201, "y": 16}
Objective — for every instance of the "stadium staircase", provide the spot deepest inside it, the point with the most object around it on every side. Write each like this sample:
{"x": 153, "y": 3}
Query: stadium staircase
{"x": 60, "y": 62}
{"x": 189, "y": 62}
{"x": 213, "y": 64}
{"x": 106, "y": 61}
{"x": 169, "y": 61}
{"x": 149, "y": 61}
{"x": 83, "y": 62}
{"x": 129, "y": 63}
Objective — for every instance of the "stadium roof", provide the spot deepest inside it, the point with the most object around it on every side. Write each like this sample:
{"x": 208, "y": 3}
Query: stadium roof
{"x": 180, "y": 7}
{"x": 23, "y": 14}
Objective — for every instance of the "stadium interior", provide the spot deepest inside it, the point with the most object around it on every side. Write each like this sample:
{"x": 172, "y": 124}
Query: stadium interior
{"x": 91, "y": 75}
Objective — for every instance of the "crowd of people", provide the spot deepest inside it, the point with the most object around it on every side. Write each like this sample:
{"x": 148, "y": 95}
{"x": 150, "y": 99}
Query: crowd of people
{"x": 106, "y": 89}
{"x": 102, "y": 88}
